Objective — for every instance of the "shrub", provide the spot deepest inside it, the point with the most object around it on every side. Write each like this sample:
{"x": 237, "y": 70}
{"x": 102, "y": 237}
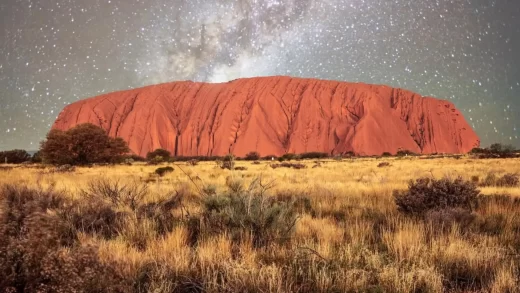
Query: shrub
{"x": 209, "y": 190}
{"x": 244, "y": 212}
{"x": 426, "y": 194}
{"x": 193, "y": 162}
{"x": 96, "y": 217}
{"x": 38, "y": 252}
{"x": 197, "y": 158}
{"x": 65, "y": 168}
{"x": 445, "y": 218}
{"x": 136, "y": 158}
{"x": 490, "y": 180}
{"x": 269, "y": 158}
{"x": 228, "y": 162}
{"x": 493, "y": 224}
{"x": 386, "y": 154}
{"x": 496, "y": 150}
{"x": 404, "y": 153}
{"x": 36, "y": 157}
{"x": 163, "y": 171}
{"x": 499, "y": 148}
{"x": 508, "y": 180}
{"x": 288, "y": 165}
{"x": 164, "y": 154}
{"x": 383, "y": 164}
{"x": 252, "y": 156}
{"x": 14, "y": 157}
{"x": 156, "y": 160}
{"x": 160, "y": 213}
{"x": 313, "y": 155}
{"x": 289, "y": 157}
{"x": 300, "y": 202}
{"x": 82, "y": 145}
{"x": 116, "y": 192}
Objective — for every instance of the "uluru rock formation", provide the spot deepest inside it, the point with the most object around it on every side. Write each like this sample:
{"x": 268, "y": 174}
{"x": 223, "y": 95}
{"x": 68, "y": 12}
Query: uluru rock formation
{"x": 273, "y": 116}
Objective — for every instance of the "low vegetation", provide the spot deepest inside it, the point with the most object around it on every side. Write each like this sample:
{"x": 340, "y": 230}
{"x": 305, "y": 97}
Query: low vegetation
{"x": 437, "y": 225}
{"x": 496, "y": 151}
{"x": 163, "y": 171}
{"x": 289, "y": 165}
{"x": 14, "y": 157}
{"x": 429, "y": 194}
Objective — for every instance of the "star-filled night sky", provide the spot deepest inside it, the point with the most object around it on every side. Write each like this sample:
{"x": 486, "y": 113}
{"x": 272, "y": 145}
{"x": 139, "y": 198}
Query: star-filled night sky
{"x": 55, "y": 52}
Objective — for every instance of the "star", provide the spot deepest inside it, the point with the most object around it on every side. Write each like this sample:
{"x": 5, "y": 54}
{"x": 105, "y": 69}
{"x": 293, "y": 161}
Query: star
{"x": 54, "y": 54}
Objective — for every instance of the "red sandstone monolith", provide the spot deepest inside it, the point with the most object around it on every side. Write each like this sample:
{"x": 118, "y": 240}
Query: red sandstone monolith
{"x": 273, "y": 116}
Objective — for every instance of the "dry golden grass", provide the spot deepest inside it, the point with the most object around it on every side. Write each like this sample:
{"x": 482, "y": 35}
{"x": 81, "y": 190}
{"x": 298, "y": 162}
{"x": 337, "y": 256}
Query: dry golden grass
{"x": 352, "y": 239}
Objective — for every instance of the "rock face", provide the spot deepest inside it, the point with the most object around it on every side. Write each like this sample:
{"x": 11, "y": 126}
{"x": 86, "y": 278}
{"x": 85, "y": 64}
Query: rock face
{"x": 273, "y": 116}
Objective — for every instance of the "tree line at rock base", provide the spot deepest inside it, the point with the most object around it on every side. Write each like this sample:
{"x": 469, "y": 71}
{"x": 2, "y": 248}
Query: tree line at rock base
{"x": 87, "y": 144}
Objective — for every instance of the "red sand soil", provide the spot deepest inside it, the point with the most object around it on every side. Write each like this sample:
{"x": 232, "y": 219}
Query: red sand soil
{"x": 273, "y": 116}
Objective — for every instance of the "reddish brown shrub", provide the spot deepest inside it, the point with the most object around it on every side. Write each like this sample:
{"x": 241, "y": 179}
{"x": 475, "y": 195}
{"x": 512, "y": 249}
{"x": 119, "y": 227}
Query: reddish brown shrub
{"x": 443, "y": 219}
{"x": 508, "y": 180}
{"x": 39, "y": 252}
{"x": 426, "y": 194}
{"x": 252, "y": 156}
{"x": 118, "y": 193}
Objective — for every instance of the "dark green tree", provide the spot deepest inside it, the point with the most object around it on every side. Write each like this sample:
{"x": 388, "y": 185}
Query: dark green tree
{"x": 82, "y": 144}
{"x": 14, "y": 157}
{"x": 158, "y": 153}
